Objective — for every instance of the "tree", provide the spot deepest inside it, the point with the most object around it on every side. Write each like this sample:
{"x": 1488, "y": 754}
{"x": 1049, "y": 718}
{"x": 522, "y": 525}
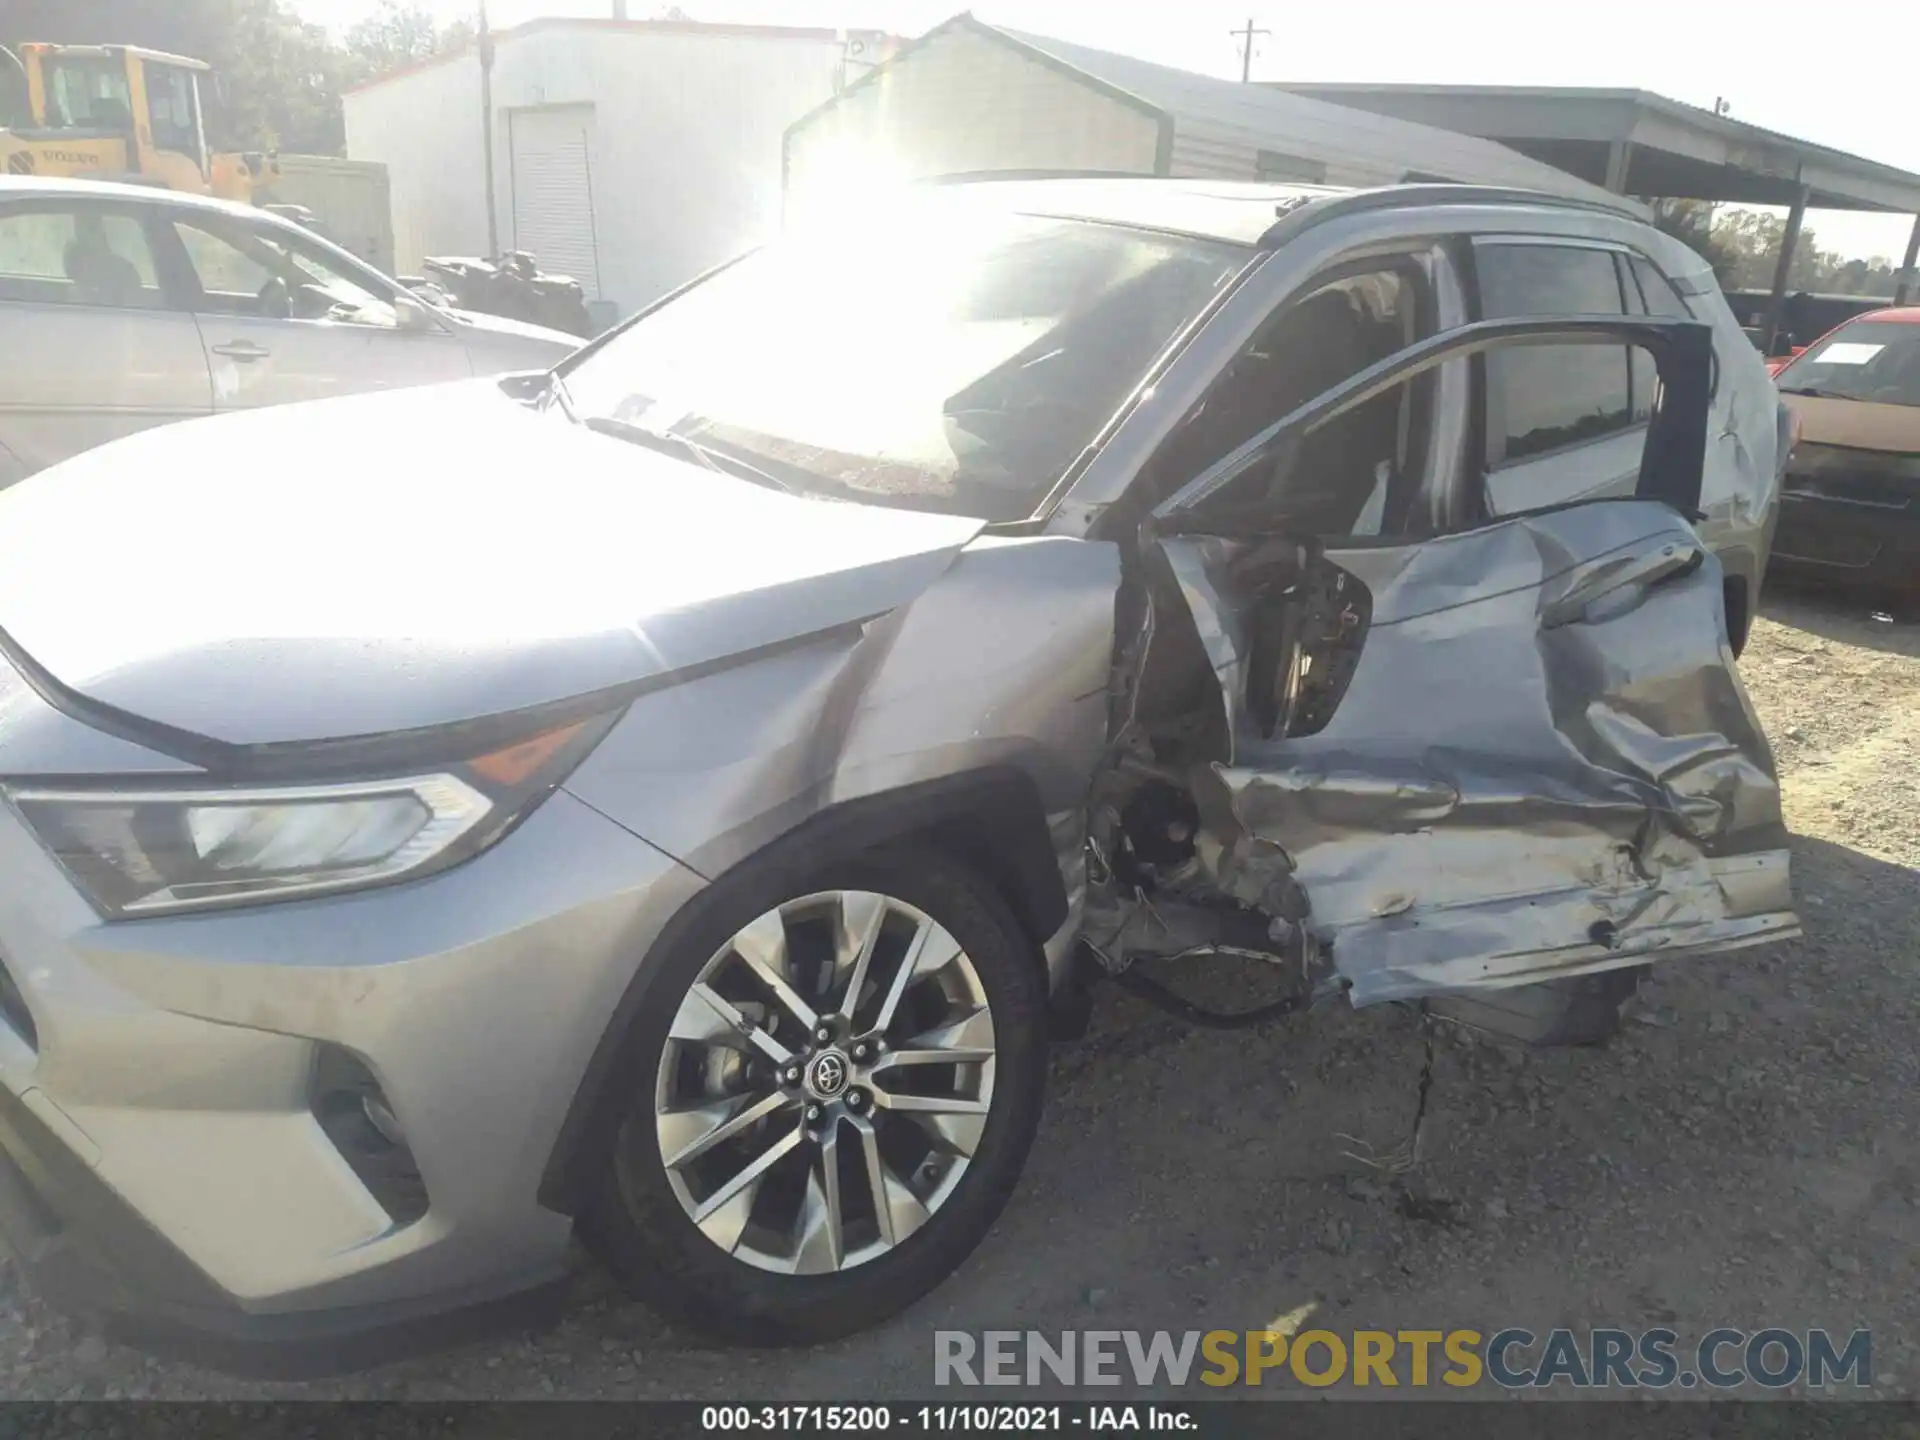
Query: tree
{"x": 281, "y": 79}
{"x": 1751, "y": 239}
{"x": 1691, "y": 223}
{"x": 399, "y": 34}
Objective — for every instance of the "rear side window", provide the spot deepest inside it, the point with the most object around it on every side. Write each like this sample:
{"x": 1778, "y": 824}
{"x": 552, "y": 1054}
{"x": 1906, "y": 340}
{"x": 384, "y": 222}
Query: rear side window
{"x": 1657, "y": 292}
{"x": 84, "y": 257}
{"x": 1651, "y": 293}
{"x": 1540, "y": 398}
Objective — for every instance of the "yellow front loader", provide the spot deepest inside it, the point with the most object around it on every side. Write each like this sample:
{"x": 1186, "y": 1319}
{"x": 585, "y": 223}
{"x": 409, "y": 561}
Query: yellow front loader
{"x": 116, "y": 112}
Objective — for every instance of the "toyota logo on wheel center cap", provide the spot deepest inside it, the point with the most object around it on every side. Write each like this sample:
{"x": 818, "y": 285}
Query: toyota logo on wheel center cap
{"x": 828, "y": 1074}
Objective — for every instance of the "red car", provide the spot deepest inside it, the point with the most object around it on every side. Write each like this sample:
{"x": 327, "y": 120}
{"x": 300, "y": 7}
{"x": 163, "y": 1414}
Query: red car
{"x": 1850, "y": 504}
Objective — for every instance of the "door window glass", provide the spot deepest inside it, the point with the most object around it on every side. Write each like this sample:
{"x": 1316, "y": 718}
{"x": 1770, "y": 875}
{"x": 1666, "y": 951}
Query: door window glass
{"x": 270, "y": 276}
{"x": 1339, "y": 482}
{"x": 65, "y": 257}
{"x": 1541, "y": 398}
{"x": 171, "y": 111}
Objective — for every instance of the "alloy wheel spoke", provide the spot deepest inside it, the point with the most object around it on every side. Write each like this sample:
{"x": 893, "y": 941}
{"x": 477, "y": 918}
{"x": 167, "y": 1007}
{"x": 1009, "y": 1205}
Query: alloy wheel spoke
{"x": 762, "y": 946}
{"x": 857, "y": 923}
{"x": 897, "y": 1211}
{"x": 822, "y": 1247}
{"x": 965, "y": 1041}
{"x": 931, "y": 949}
{"x": 899, "y": 1059}
{"x": 692, "y": 1024}
{"x": 723, "y": 1214}
{"x": 689, "y": 1134}
{"x": 902, "y": 1103}
{"x": 957, "y": 1135}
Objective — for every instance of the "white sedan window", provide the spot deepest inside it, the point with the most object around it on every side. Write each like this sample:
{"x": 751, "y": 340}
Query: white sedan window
{"x": 65, "y": 257}
{"x": 243, "y": 271}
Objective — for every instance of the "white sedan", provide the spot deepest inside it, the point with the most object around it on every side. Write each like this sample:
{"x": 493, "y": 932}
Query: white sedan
{"x": 123, "y": 307}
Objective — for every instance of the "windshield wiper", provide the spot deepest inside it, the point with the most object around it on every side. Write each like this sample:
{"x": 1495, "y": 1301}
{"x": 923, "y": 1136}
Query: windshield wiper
{"x": 540, "y": 390}
{"x": 1815, "y": 391}
{"x": 668, "y": 443}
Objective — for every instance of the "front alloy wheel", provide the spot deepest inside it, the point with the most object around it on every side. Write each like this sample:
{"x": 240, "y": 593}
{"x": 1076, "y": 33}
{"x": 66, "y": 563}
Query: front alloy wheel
{"x": 825, "y": 1082}
{"x": 838, "y": 1070}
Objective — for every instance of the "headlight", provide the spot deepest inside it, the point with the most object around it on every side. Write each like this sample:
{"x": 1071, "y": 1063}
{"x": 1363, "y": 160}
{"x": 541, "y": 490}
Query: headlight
{"x": 153, "y": 849}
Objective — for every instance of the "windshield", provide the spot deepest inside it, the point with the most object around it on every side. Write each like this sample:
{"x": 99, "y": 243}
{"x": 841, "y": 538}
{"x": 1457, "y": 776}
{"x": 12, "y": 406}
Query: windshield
{"x": 947, "y": 361}
{"x": 1876, "y": 360}
{"x": 89, "y": 93}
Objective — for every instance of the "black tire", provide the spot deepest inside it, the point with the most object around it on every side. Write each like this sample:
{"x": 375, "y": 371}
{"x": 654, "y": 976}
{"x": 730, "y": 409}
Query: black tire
{"x": 636, "y": 1226}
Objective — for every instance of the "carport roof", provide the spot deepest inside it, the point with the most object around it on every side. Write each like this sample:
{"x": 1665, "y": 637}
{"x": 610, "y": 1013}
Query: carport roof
{"x": 1676, "y": 149}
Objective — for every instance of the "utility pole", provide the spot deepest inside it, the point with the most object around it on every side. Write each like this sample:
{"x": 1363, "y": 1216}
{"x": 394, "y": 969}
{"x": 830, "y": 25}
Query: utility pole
{"x": 486, "y": 129}
{"x": 1246, "y": 38}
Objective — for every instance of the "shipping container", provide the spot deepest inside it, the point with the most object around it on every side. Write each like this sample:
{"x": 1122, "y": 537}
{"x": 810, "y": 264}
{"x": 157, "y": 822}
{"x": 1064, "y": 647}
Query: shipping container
{"x": 350, "y": 201}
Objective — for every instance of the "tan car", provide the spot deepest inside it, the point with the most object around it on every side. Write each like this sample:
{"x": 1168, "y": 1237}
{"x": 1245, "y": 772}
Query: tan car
{"x": 1850, "y": 507}
{"x": 123, "y": 307}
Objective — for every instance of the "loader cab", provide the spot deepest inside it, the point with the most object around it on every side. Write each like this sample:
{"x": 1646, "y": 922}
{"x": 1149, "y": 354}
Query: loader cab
{"x": 15, "y": 113}
{"x": 147, "y": 99}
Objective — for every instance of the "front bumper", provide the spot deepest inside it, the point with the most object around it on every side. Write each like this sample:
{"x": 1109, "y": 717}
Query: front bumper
{"x": 163, "y": 1165}
{"x": 87, "y": 1251}
{"x": 1862, "y": 529}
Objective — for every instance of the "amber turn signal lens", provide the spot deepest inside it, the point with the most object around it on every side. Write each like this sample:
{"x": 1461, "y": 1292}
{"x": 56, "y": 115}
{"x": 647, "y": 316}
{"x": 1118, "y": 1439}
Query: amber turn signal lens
{"x": 520, "y": 761}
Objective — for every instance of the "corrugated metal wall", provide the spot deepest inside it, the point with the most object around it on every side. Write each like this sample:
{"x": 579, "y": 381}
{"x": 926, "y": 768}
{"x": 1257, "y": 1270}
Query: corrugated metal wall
{"x": 959, "y": 103}
{"x": 1225, "y": 152}
{"x": 425, "y": 128}
{"x": 1212, "y": 156}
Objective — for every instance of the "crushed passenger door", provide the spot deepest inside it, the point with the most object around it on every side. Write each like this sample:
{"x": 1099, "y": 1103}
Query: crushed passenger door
{"x": 1493, "y": 757}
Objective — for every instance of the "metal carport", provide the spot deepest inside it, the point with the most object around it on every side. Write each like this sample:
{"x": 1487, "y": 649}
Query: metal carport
{"x": 1637, "y": 143}
{"x": 973, "y": 98}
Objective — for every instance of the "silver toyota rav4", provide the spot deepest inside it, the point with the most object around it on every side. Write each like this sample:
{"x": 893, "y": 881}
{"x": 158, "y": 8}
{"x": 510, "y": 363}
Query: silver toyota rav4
{"x": 675, "y": 800}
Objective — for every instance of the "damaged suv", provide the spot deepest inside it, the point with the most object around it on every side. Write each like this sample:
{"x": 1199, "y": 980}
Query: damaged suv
{"x": 675, "y": 799}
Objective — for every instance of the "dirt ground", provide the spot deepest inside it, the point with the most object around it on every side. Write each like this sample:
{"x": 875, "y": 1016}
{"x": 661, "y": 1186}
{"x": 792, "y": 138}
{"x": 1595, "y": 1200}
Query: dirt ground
{"x": 1745, "y": 1154}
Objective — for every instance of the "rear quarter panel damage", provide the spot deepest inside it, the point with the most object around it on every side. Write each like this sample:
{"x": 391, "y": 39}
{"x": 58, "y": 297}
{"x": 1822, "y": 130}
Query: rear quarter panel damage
{"x": 1517, "y": 785}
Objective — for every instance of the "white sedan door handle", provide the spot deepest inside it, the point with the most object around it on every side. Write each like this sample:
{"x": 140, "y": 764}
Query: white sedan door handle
{"x": 242, "y": 350}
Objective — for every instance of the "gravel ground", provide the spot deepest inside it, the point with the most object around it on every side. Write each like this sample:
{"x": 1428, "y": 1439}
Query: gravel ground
{"x": 1745, "y": 1154}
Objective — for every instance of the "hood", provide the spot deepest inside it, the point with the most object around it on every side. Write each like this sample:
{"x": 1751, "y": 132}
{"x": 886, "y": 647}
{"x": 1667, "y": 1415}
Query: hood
{"x": 417, "y": 558}
{"x": 517, "y": 329}
{"x": 1857, "y": 424}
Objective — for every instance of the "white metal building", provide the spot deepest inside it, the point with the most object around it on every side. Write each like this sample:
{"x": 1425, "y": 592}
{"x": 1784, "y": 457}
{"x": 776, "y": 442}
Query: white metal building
{"x": 631, "y": 155}
{"x": 971, "y": 97}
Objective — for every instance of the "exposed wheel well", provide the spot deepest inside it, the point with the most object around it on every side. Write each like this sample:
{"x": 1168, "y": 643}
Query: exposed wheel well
{"x": 991, "y": 820}
{"x": 1739, "y": 611}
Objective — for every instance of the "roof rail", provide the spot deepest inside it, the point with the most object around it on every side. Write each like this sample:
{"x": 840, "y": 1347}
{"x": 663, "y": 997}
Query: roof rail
{"x": 1393, "y": 197}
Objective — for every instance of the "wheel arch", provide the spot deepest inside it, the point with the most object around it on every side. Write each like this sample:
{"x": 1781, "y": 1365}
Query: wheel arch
{"x": 991, "y": 820}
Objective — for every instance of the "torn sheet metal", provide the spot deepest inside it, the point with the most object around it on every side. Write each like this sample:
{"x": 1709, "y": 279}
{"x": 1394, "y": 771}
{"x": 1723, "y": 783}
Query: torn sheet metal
{"x": 1544, "y": 762}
